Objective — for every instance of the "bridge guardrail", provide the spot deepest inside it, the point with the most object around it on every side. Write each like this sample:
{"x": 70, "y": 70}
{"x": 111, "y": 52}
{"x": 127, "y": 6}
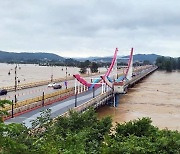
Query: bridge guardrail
{"x": 95, "y": 102}
{"x": 36, "y": 99}
{"x": 138, "y": 77}
{"x": 40, "y": 83}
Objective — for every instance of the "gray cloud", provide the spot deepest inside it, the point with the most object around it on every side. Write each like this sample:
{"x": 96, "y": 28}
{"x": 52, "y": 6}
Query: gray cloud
{"x": 90, "y": 28}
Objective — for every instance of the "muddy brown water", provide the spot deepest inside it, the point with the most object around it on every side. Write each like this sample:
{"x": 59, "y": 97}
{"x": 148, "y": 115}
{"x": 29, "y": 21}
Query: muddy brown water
{"x": 157, "y": 97}
{"x": 27, "y": 73}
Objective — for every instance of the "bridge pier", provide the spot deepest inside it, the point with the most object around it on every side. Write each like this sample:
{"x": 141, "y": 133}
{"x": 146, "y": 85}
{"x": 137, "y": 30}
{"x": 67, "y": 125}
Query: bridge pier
{"x": 116, "y": 99}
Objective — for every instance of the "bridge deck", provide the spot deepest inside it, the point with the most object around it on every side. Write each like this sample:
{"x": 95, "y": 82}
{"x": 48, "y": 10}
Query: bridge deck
{"x": 57, "y": 108}
{"x": 84, "y": 98}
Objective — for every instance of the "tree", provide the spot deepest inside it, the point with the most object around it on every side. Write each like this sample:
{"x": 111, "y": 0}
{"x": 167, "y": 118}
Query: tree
{"x": 85, "y": 133}
{"x": 45, "y": 116}
{"x": 160, "y": 62}
{"x": 146, "y": 62}
{"x": 2, "y": 106}
{"x": 83, "y": 66}
{"x": 178, "y": 63}
{"x": 173, "y": 63}
{"x": 140, "y": 136}
{"x": 94, "y": 67}
{"x": 168, "y": 65}
{"x": 87, "y": 63}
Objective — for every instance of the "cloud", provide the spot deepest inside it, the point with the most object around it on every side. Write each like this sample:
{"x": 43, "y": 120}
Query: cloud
{"x": 90, "y": 28}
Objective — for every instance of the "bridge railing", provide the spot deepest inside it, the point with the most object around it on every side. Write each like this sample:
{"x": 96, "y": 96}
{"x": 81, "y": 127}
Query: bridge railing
{"x": 141, "y": 75}
{"x": 40, "y": 83}
{"x": 37, "y": 102}
{"x": 39, "y": 98}
{"x": 94, "y": 102}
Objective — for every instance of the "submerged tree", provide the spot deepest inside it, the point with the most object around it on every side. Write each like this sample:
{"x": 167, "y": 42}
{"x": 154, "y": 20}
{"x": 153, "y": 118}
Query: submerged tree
{"x": 168, "y": 66}
{"x": 167, "y": 63}
{"x": 83, "y": 68}
{"x": 94, "y": 67}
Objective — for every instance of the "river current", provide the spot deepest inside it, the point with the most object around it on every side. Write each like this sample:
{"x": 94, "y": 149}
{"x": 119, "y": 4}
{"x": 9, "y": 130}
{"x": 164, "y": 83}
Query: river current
{"x": 157, "y": 97}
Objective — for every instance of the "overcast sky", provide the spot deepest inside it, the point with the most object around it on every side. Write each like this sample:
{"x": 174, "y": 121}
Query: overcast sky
{"x": 82, "y": 28}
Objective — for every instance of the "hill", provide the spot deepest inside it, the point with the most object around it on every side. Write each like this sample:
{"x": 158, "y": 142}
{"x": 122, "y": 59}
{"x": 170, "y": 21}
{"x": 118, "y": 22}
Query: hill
{"x": 137, "y": 57}
{"x": 142, "y": 57}
{"x": 25, "y": 57}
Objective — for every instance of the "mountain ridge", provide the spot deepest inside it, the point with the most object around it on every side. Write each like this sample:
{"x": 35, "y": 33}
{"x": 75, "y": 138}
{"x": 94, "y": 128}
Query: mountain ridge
{"x": 137, "y": 57}
{"x": 24, "y": 56}
{"x": 43, "y": 56}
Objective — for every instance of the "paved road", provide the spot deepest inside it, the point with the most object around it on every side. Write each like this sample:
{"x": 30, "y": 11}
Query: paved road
{"x": 57, "y": 108}
{"x": 25, "y": 94}
{"x": 36, "y": 91}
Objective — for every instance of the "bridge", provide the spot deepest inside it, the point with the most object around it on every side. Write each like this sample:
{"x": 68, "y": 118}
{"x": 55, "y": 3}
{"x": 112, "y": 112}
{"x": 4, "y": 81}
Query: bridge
{"x": 82, "y": 93}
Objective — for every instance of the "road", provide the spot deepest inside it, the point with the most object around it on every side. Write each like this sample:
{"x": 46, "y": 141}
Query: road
{"x": 57, "y": 108}
{"x": 25, "y": 94}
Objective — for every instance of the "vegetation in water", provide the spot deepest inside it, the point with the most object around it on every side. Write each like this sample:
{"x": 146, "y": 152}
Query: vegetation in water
{"x": 87, "y": 64}
{"x": 167, "y": 63}
{"x": 85, "y": 133}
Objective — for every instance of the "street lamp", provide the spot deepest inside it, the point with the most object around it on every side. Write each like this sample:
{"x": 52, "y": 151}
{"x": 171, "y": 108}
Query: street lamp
{"x": 75, "y": 98}
{"x": 66, "y": 78}
{"x": 52, "y": 74}
{"x": 43, "y": 99}
{"x": 93, "y": 92}
{"x": 12, "y": 111}
{"x": 15, "y": 86}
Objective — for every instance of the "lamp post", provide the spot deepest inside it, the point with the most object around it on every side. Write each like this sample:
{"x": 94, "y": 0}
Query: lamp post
{"x": 15, "y": 85}
{"x": 76, "y": 92}
{"x": 52, "y": 74}
{"x": 43, "y": 99}
{"x": 93, "y": 92}
{"x": 12, "y": 112}
{"x": 66, "y": 78}
{"x": 76, "y": 99}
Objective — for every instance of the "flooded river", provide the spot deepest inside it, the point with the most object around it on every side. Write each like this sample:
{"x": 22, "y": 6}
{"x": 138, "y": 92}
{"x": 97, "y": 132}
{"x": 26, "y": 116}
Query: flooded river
{"x": 31, "y": 73}
{"x": 157, "y": 97}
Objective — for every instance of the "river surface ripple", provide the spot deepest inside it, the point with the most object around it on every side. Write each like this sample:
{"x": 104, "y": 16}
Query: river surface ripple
{"x": 157, "y": 97}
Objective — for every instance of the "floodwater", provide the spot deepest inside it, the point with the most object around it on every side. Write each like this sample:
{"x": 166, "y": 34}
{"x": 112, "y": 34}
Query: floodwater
{"x": 27, "y": 73}
{"x": 157, "y": 97}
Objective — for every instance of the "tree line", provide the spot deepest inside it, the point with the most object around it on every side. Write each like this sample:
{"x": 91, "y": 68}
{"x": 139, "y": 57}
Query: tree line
{"x": 87, "y": 64}
{"x": 85, "y": 133}
{"x": 168, "y": 63}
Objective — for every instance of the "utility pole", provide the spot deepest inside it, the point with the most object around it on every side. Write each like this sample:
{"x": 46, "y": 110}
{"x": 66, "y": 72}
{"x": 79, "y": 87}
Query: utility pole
{"x": 76, "y": 92}
{"x": 12, "y": 113}
{"x": 93, "y": 92}
{"x": 15, "y": 86}
{"x": 43, "y": 99}
{"x": 66, "y": 77}
{"x": 52, "y": 74}
{"x": 76, "y": 99}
